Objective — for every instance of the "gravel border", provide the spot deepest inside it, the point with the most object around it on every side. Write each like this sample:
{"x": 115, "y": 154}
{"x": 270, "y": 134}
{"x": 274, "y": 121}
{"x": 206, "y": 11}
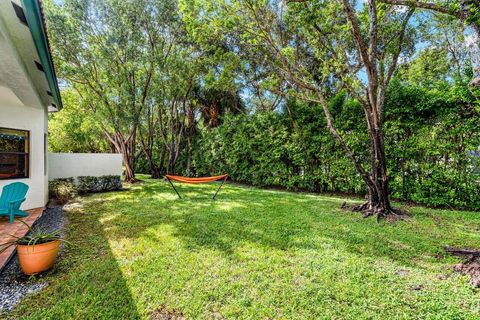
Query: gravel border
{"x": 14, "y": 285}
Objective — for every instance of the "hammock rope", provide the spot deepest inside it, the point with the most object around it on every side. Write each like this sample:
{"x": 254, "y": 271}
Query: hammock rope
{"x": 181, "y": 179}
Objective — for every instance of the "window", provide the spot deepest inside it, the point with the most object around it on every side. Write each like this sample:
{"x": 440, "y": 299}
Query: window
{"x": 14, "y": 153}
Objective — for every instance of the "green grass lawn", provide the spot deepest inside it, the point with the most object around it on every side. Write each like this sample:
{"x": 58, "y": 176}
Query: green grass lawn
{"x": 253, "y": 254}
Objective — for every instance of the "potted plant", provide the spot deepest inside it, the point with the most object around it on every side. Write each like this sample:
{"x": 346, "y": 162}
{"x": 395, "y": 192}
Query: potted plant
{"x": 37, "y": 251}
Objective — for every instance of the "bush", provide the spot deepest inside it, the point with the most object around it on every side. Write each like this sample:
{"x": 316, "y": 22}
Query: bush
{"x": 432, "y": 148}
{"x": 66, "y": 189}
{"x": 63, "y": 190}
{"x": 87, "y": 184}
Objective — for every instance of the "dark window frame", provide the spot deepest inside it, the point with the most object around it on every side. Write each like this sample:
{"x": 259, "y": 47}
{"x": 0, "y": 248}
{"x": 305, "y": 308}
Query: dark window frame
{"x": 26, "y": 154}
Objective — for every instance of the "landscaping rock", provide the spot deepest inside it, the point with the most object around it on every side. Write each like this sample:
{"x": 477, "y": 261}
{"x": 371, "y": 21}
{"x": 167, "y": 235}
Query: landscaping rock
{"x": 14, "y": 285}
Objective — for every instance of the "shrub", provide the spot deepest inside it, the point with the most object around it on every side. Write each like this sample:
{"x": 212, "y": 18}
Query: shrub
{"x": 432, "y": 147}
{"x": 87, "y": 184}
{"x": 63, "y": 190}
{"x": 66, "y": 189}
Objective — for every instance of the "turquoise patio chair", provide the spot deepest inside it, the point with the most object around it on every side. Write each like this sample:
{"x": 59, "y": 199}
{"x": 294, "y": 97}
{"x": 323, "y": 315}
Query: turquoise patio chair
{"x": 13, "y": 195}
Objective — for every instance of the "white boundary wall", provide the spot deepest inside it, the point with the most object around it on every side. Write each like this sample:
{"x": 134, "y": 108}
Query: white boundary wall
{"x": 72, "y": 165}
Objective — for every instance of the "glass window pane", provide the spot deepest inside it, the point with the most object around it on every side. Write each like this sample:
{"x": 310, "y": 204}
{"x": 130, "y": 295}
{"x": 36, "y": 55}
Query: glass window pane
{"x": 13, "y": 140}
{"x": 13, "y": 166}
{"x": 14, "y": 145}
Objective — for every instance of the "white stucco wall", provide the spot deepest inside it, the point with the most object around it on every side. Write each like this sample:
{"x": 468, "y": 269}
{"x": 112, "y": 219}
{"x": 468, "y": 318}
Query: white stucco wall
{"x": 14, "y": 115}
{"x": 72, "y": 165}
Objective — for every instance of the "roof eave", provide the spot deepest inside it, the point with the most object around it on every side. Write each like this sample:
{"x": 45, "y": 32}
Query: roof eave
{"x": 36, "y": 22}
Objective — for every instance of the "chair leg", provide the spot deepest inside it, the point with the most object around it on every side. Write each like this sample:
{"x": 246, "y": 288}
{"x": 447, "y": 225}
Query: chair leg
{"x": 17, "y": 213}
{"x": 21, "y": 213}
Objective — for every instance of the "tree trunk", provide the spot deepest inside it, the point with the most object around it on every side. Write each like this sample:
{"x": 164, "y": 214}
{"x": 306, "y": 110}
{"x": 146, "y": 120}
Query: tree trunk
{"x": 156, "y": 172}
{"x": 128, "y": 155}
{"x": 129, "y": 171}
{"x": 126, "y": 147}
{"x": 377, "y": 181}
{"x": 171, "y": 155}
{"x": 189, "y": 155}
{"x": 161, "y": 163}
{"x": 190, "y": 132}
{"x": 378, "y": 202}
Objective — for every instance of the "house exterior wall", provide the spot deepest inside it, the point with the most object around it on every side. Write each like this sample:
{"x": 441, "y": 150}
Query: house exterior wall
{"x": 72, "y": 165}
{"x": 28, "y": 88}
{"x": 17, "y": 116}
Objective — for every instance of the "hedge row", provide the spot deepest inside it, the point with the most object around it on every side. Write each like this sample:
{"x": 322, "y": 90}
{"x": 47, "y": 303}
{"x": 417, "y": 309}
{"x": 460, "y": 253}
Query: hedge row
{"x": 432, "y": 146}
{"x": 67, "y": 188}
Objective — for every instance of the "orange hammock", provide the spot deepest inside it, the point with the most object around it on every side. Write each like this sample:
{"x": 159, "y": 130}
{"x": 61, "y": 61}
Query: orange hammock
{"x": 196, "y": 180}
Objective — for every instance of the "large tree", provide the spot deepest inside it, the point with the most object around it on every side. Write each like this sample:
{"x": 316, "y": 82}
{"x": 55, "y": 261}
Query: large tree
{"x": 109, "y": 51}
{"x": 322, "y": 47}
{"x": 195, "y": 82}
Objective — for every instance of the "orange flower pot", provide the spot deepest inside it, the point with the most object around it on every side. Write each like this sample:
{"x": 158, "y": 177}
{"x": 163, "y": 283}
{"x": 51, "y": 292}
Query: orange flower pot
{"x": 37, "y": 258}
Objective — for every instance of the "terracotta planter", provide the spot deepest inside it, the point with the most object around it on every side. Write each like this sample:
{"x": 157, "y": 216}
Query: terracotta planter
{"x": 37, "y": 258}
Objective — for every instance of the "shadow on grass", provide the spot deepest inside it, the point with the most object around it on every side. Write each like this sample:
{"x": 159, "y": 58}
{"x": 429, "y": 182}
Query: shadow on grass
{"x": 86, "y": 283}
{"x": 89, "y": 283}
{"x": 279, "y": 220}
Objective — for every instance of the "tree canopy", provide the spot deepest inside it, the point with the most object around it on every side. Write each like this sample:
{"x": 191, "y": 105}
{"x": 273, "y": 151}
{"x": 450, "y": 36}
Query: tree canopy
{"x": 371, "y": 97}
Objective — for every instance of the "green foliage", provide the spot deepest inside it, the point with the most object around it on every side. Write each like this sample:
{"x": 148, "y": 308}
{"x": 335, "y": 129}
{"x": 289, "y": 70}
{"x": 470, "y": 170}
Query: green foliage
{"x": 108, "y": 65}
{"x": 253, "y": 254}
{"x": 88, "y": 184}
{"x": 251, "y": 148}
{"x": 63, "y": 190}
{"x": 269, "y": 149}
{"x": 158, "y": 77}
{"x": 113, "y": 53}
{"x": 74, "y": 128}
{"x": 432, "y": 138}
{"x": 34, "y": 236}
{"x": 433, "y": 145}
